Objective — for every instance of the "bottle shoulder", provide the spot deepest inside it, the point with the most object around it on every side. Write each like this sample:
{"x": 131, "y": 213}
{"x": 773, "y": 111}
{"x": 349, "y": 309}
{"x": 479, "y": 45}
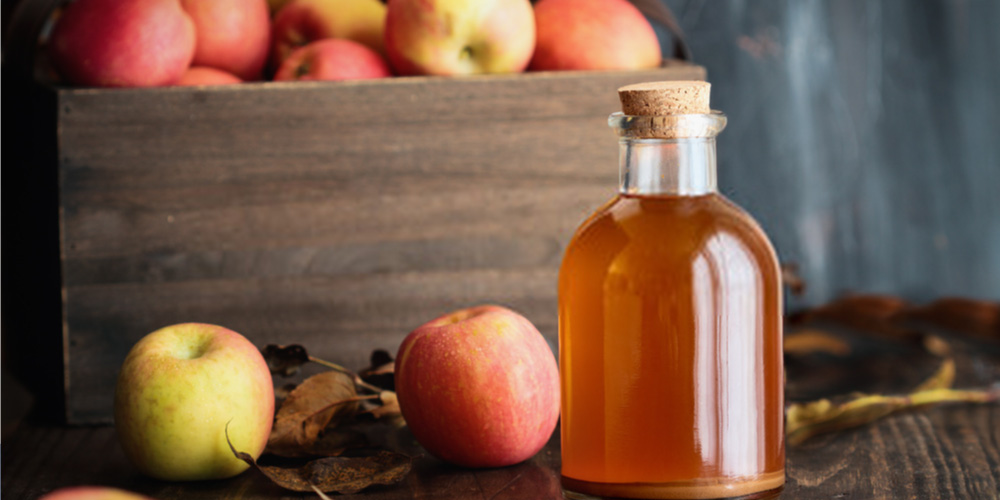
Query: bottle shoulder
{"x": 647, "y": 230}
{"x": 751, "y": 228}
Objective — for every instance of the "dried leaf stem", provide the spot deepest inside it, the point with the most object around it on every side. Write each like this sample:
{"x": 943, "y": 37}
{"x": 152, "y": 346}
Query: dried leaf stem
{"x": 328, "y": 400}
{"x": 319, "y": 492}
{"x": 346, "y": 371}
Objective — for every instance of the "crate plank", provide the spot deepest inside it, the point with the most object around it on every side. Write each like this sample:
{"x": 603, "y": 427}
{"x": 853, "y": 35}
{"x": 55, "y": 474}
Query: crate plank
{"x": 337, "y": 215}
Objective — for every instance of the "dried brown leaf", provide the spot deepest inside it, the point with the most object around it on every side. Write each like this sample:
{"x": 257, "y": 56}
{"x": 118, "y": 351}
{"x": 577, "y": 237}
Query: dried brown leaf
{"x": 285, "y": 360}
{"x": 877, "y": 314}
{"x": 937, "y": 346}
{"x": 868, "y": 312}
{"x": 791, "y": 278}
{"x": 364, "y": 431}
{"x": 344, "y": 475}
{"x": 283, "y": 391}
{"x": 806, "y": 420}
{"x": 336, "y": 440}
{"x": 961, "y": 314}
{"x": 380, "y": 371}
{"x": 876, "y": 307}
{"x": 319, "y": 400}
{"x": 812, "y": 341}
{"x": 892, "y": 316}
{"x": 380, "y": 357}
{"x": 389, "y": 407}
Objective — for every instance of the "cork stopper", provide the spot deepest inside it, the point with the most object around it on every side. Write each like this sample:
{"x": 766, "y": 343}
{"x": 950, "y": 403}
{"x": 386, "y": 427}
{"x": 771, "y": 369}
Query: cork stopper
{"x": 685, "y": 97}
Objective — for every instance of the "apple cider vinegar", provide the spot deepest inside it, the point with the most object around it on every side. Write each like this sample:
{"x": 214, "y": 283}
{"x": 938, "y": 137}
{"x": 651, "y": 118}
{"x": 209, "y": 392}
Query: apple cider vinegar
{"x": 670, "y": 322}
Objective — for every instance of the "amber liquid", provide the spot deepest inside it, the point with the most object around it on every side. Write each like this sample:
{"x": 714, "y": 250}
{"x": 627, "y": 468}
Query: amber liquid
{"x": 670, "y": 352}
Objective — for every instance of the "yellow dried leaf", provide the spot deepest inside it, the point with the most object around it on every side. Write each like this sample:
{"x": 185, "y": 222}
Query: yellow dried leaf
{"x": 806, "y": 420}
{"x": 942, "y": 379}
{"x": 811, "y": 341}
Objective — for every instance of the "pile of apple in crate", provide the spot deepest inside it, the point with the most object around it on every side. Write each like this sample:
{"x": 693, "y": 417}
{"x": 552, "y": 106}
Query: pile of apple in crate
{"x": 149, "y": 43}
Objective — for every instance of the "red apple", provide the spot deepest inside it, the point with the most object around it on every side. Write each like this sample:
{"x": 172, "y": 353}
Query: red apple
{"x": 333, "y": 59}
{"x": 301, "y": 22}
{"x": 181, "y": 390}
{"x": 232, "y": 35}
{"x": 92, "y": 493}
{"x": 463, "y": 37}
{"x": 592, "y": 35}
{"x": 478, "y": 387}
{"x": 123, "y": 43}
{"x": 201, "y": 75}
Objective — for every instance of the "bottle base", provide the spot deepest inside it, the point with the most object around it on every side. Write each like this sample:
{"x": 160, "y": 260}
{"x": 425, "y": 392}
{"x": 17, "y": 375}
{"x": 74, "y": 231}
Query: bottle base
{"x": 764, "y": 486}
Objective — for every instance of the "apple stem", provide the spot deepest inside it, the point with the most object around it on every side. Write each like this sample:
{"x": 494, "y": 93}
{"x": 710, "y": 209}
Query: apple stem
{"x": 357, "y": 379}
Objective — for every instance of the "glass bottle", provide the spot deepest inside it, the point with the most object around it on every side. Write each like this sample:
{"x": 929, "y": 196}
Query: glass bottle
{"x": 670, "y": 322}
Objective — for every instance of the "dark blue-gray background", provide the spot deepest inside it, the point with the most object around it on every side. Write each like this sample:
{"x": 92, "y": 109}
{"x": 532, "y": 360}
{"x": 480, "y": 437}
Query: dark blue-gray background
{"x": 863, "y": 135}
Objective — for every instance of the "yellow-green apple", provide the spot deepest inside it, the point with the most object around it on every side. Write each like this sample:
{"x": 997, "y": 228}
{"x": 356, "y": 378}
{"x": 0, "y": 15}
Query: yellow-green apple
{"x": 333, "y": 59}
{"x": 459, "y": 37}
{"x": 122, "y": 43}
{"x": 92, "y": 493}
{"x": 232, "y": 35}
{"x": 478, "y": 387}
{"x": 202, "y": 75}
{"x": 301, "y": 22}
{"x": 593, "y": 35}
{"x": 179, "y": 389}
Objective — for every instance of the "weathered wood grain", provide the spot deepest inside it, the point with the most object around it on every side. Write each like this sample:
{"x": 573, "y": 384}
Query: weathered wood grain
{"x": 950, "y": 451}
{"x": 942, "y": 453}
{"x": 862, "y": 135}
{"x": 337, "y": 215}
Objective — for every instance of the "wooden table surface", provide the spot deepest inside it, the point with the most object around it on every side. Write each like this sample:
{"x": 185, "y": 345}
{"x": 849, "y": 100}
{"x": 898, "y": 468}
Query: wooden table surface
{"x": 946, "y": 452}
{"x": 939, "y": 452}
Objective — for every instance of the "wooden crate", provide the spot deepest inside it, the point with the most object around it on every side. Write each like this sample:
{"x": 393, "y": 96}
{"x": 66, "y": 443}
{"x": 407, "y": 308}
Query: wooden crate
{"x": 339, "y": 216}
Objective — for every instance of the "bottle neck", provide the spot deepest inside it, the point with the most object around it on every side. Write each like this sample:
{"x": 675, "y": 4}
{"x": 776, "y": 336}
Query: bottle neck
{"x": 684, "y": 167}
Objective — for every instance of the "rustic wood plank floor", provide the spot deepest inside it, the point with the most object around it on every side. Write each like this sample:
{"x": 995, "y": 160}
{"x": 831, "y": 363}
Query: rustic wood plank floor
{"x": 942, "y": 452}
{"x": 945, "y": 452}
